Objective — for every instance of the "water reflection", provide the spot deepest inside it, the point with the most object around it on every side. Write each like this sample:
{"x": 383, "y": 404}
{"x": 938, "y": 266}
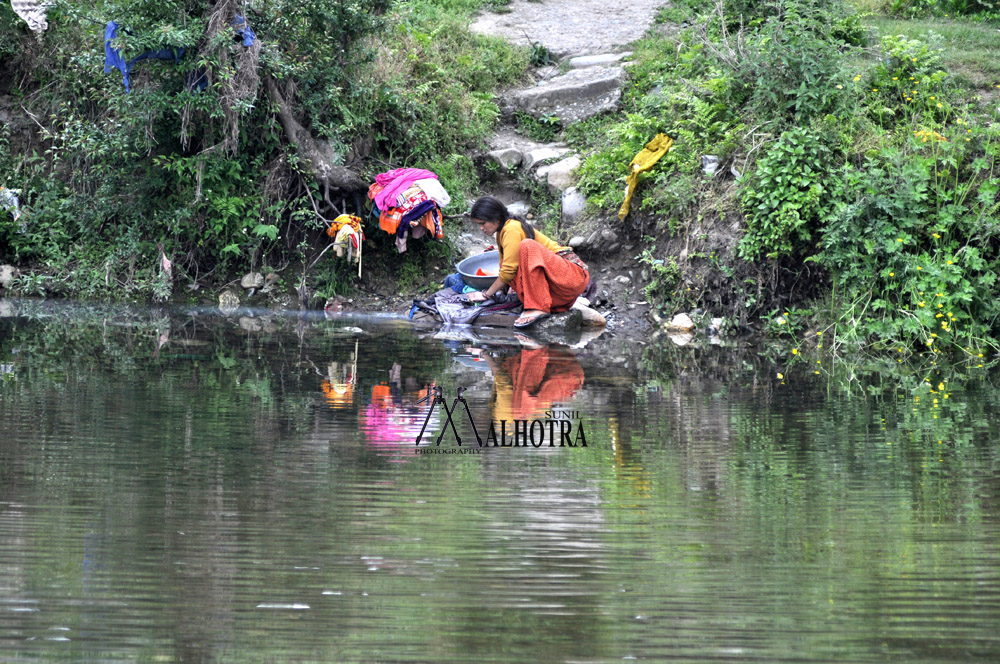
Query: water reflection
{"x": 528, "y": 382}
{"x": 237, "y": 493}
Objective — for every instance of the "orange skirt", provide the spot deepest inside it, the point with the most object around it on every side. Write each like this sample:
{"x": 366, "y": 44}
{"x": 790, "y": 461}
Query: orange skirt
{"x": 546, "y": 281}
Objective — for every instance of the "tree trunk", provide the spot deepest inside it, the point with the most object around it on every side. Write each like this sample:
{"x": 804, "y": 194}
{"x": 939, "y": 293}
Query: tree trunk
{"x": 317, "y": 153}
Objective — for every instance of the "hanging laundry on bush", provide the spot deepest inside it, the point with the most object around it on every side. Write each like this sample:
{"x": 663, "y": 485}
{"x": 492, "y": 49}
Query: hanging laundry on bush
{"x": 193, "y": 80}
{"x": 243, "y": 30}
{"x": 33, "y": 13}
{"x": 112, "y": 56}
{"x": 348, "y": 236}
{"x": 643, "y": 161}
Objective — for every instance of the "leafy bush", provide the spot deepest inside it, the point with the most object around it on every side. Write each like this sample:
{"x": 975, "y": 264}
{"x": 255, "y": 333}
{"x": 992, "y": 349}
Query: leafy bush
{"x": 784, "y": 199}
{"x": 786, "y": 67}
{"x": 209, "y": 174}
{"x": 913, "y": 241}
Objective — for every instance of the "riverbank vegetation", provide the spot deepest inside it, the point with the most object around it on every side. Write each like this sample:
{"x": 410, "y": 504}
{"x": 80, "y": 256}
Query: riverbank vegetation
{"x": 856, "y": 150}
{"x": 228, "y": 157}
{"x": 834, "y": 165}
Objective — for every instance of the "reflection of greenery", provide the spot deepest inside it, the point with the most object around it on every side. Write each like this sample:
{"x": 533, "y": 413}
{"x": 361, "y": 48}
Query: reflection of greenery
{"x": 705, "y": 476}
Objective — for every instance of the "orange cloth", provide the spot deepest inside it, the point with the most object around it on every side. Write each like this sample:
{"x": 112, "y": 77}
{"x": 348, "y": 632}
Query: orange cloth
{"x": 509, "y": 238}
{"x": 338, "y": 395}
{"x": 546, "y": 281}
{"x": 533, "y": 380}
{"x": 390, "y": 219}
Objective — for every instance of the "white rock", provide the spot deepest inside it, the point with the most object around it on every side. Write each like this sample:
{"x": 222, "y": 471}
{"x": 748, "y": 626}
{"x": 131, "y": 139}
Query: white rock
{"x": 591, "y": 318}
{"x": 8, "y": 273}
{"x": 518, "y": 209}
{"x": 508, "y": 158}
{"x": 598, "y": 60}
{"x": 681, "y": 338}
{"x": 681, "y": 322}
{"x": 577, "y": 241}
{"x": 252, "y": 280}
{"x": 573, "y": 204}
{"x": 562, "y": 174}
{"x": 542, "y": 154}
{"x": 623, "y": 280}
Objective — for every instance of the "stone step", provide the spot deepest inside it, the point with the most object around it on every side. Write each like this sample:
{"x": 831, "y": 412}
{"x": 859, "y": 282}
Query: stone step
{"x": 602, "y": 60}
{"x": 577, "y": 95}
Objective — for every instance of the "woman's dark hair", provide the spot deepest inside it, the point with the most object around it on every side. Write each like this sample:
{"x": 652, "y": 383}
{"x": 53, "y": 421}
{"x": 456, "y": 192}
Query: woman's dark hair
{"x": 488, "y": 208}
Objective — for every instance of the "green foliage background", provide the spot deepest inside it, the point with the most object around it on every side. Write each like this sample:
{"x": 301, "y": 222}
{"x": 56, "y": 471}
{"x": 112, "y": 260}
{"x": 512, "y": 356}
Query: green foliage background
{"x": 864, "y": 168}
{"x": 115, "y": 175}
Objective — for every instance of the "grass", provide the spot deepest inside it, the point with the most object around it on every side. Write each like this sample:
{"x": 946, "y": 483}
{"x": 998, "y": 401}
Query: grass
{"x": 969, "y": 48}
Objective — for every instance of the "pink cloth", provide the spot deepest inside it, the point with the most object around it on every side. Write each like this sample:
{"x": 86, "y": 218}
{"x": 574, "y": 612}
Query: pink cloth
{"x": 396, "y": 182}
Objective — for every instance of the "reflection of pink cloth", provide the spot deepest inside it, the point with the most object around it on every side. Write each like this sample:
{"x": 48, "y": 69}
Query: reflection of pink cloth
{"x": 394, "y": 425}
{"x": 393, "y": 430}
{"x": 396, "y": 182}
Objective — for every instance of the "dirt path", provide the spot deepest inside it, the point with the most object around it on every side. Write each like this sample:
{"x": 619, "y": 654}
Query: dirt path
{"x": 572, "y": 27}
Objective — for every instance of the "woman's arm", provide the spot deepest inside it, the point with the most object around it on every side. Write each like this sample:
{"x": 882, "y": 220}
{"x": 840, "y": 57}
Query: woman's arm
{"x": 495, "y": 287}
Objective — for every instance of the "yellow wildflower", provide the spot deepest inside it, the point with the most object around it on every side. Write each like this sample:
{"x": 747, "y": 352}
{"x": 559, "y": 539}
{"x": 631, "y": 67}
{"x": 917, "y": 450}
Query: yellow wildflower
{"x": 795, "y": 351}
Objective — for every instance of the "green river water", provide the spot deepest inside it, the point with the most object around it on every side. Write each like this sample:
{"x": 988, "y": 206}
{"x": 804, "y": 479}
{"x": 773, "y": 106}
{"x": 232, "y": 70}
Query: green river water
{"x": 176, "y": 486}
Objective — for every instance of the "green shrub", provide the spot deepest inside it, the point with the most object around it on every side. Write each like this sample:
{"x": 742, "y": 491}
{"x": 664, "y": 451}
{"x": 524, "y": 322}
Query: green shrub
{"x": 913, "y": 242}
{"x": 784, "y": 199}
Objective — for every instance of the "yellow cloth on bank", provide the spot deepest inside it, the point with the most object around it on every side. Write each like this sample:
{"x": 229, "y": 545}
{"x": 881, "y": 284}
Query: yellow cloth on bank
{"x": 643, "y": 161}
{"x": 509, "y": 244}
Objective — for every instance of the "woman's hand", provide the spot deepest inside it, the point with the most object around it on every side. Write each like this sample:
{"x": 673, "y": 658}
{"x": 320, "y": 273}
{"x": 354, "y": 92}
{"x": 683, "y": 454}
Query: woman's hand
{"x": 477, "y": 296}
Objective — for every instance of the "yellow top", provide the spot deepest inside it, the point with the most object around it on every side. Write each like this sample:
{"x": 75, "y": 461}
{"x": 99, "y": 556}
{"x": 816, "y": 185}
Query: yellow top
{"x": 509, "y": 238}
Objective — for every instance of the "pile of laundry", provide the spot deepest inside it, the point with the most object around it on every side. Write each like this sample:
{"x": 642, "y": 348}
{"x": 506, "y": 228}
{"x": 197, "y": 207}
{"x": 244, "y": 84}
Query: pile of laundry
{"x": 408, "y": 203}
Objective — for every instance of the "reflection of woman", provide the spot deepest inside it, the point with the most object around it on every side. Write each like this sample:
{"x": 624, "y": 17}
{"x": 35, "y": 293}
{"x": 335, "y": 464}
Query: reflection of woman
{"x": 547, "y": 276}
{"x": 393, "y": 416}
{"x": 530, "y": 382}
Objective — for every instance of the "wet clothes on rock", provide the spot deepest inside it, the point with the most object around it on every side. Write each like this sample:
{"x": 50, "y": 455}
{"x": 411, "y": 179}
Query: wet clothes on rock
{"x": 455, "y": 309}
